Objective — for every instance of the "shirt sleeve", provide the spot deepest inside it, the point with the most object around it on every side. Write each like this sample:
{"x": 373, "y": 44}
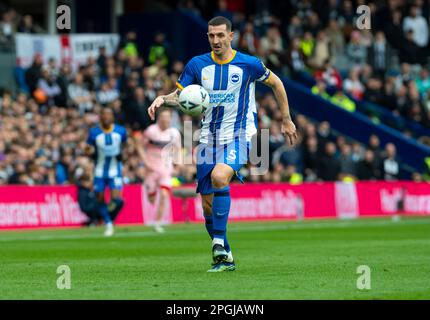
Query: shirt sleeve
{"x": 123, "y": 133}
{"x": 91, "y": 140}
{"x": 259, "y": 71}
{"x": 147, "y": 133}
{"x": 188, "y": 76}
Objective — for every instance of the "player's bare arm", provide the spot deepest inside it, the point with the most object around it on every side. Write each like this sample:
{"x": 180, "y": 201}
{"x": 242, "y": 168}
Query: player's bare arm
{"x": 89, "y": 150}
{"x": 140, "y": 145}
{"x": 170, "y": 100}
{"x": 288, "y": 127}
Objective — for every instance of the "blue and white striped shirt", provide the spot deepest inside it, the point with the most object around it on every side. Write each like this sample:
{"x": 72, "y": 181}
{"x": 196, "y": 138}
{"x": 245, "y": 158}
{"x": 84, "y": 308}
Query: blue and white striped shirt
{"x": 108, "y": 150}
{"x": 232, "y": 109}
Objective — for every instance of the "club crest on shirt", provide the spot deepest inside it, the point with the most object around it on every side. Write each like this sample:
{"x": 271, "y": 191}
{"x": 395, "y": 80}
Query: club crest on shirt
{"x": 235, "y": 78}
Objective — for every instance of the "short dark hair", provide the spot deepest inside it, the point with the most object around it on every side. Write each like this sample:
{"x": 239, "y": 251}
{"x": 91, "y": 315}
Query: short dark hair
{"x": 163, "y": 109}
{"x": 220, "y": 20}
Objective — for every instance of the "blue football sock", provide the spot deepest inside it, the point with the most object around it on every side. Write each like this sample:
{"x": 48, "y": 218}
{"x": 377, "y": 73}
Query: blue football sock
{"x": 103, "y": 209}
{"x": 210, "y": 230}
{"x": 209, "y": 225}
{"x": 119, "y": 203}
{"x": 226, "y": 245}
{"x": 220, "y": 210}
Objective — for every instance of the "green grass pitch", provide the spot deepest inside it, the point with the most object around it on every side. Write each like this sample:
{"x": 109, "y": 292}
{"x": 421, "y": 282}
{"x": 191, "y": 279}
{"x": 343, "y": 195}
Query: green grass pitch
{"x": 315, "y": 259}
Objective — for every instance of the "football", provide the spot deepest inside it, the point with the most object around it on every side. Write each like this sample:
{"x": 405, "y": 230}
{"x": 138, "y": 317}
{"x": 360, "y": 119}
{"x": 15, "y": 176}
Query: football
{"x": 193, "y": 100}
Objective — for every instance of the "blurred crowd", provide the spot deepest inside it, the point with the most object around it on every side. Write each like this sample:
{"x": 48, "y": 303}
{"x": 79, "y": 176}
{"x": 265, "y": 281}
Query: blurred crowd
{"x": 44, "y": 131}
{"x": 11, "y": 22}
{"x": 387, "y": 65}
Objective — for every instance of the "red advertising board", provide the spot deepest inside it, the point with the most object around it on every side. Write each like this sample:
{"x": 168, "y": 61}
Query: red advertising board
{"x": 56, "y": 206}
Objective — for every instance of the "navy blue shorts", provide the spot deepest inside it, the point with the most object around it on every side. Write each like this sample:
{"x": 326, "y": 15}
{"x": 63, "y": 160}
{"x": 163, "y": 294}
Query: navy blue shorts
{"x": 235, "y": 154}
{"x": 100, "y": 184}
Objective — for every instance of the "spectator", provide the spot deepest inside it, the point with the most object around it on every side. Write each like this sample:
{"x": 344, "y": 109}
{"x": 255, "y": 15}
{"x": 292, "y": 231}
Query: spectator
{"x": 336, "y": 40}
{"x": 389, "y": 96}
{"x": 410, "y": 52}
{"x": 313, "y": 24}
{"x": 329, "y": 165}
{"x": 304, "y": 9}
{"x": 296, "y": 58}
{"x": 367, "y": 168}
{"x": 329, "y": 75}
{"x": 107, "y": 93}
{"x": 379, "y": 55}
{"x": 80, "y": 96}
{"x": 53, "y": 68}
{"x": 394, "y": 31}
{"x": 357, "y": 153}
{"x": 347, "y": 164}
{"x": 288, "y": 155}
{"x": 273, "y": 48}
{"x": 292, "y": 176}
{"x": 405, "y": 75}
{"x": 375, "y": 145}
{"x": 423, "y": 82}
{"x": 320, "y": 89}
{"x": 402, "y": 100}
{"x": 87, "y": 201}
{"x": 307, "y": 45}
{"x": 49, "y": 86}
{"x": 348, "y": 15}
{"x": 342, "y": 100}
{"x": 353, "y": 85}
{"x": 130, "y": 46}
{"x": 390, "y": 169}
{"x": 418, "y": 25}
{"x": 311, "y": 158}
{"x": 158, "y": 51}
{"x": 356, "y": 51}
{"x": 63, "y": 80}
{"x": 26, "y": 25}
{"x": 101, "y": 60}
{"x": 295, "y": 27}
{"x": 34, "y": 73}
{"x": 7, "y": 26}
{"x": 373, "y": 92}
{"x": 324, "y": 134}
{"x": 136, "y": 110}
{"x": 330, "y": 12}
{"x": 249, "y": 41}
{"x": 321, "y": 52}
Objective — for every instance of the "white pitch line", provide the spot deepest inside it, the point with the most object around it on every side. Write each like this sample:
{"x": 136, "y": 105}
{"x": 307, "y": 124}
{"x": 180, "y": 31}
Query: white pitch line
{"x": 232, "y": 228}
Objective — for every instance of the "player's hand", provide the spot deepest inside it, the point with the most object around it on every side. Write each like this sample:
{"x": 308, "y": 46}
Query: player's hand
{"x": 288, "y": 128}
{"x": 157, "y": 103}
{"x": 89, "y": 150}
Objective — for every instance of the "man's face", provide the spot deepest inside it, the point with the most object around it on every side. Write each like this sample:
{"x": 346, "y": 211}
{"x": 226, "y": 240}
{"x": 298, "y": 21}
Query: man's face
{"x": 106, "y": 117}
{"x": 220, "y": 39}
{"x": 164, "y": 119}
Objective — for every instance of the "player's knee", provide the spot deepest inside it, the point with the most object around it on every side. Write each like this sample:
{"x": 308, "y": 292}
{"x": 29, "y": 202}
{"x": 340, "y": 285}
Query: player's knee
{"x": 164, "y": 193}
{"x": 219, "y": 180}
{"x": 151, "y": 197}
